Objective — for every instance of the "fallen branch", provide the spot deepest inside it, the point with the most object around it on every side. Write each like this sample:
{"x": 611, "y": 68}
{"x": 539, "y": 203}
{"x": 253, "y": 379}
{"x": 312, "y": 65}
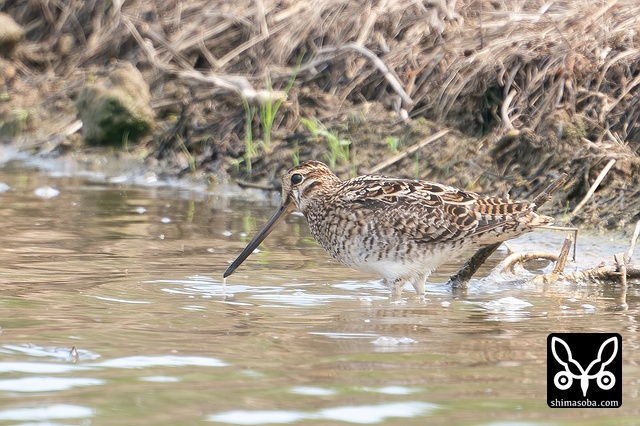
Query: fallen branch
{"x": 461, "y": 278}
{"x": 600, "y": 273}
{"x": 620, "y": 272}
{"x": 509, "y": 263}
{"x": 561, "y": 262}
{"x": 471, "y": 266}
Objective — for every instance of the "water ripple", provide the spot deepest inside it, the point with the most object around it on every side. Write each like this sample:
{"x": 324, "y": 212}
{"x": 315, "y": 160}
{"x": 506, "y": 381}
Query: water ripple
{"x": 141, "y": 361}
{"x": 360, "y": 414}
{"x": 55, "y": 411}
{"x": 45, "y": 384}
{"x": 50, "y": 351}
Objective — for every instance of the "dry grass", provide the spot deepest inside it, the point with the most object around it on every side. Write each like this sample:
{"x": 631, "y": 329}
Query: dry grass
{"x": 523, "y": 58}
{"x": 564, "y": 73}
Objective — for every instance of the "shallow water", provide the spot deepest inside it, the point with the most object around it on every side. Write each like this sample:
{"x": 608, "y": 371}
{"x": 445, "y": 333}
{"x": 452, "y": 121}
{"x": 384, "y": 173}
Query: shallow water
{"x": 113, "y": 311}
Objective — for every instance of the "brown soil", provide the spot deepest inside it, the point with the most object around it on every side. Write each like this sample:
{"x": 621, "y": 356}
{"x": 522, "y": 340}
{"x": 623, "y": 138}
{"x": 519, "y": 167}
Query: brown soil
{"x": 527, "y": 90}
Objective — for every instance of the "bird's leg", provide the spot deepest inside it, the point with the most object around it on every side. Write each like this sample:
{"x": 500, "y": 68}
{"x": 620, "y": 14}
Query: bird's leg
{"x": 396, "y": 288}
{"x": 418, "y": 283}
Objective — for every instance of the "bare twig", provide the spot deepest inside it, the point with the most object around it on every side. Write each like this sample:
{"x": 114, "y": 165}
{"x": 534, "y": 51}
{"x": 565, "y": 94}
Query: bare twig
{"x": 237, "y": 84}
{"x": 146, "y": 47}
{"x": 622, "y": 268}
{"x": 509, "y": 263}
{"x": 564, "y": 254}
{"x": 247, "y": 45}
{"x": 548, "y": 192}
{"x": 504, "y": 110}
{"x": 379, "y": 63}
{"x": 561, "y": 262}
{"x": 53, "y": 141}
{"x": 408, "y": 151}
{"x": 572, "y": 229}
{"x": 634, "y": 240}
{"x": 593, "y": 188}
{"x": 247, "y": 184}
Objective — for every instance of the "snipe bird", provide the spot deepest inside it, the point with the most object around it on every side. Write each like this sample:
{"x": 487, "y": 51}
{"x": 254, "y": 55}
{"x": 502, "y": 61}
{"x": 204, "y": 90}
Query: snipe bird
{"x": 400, "y": 229}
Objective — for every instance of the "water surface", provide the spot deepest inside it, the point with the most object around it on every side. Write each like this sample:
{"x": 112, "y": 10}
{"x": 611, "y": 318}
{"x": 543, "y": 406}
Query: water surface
{"x": 113, "y": 311}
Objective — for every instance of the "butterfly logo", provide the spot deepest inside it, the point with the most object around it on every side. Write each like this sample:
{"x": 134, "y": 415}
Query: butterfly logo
{"x": 564, "y": 379}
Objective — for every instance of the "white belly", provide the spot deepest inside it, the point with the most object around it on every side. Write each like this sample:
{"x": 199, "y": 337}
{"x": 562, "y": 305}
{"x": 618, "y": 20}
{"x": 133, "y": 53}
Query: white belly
{"x": 393, "y": 263}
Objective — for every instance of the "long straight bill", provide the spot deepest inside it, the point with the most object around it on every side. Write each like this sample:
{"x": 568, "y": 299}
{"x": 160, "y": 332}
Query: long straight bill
{"x": 285, "y": 207}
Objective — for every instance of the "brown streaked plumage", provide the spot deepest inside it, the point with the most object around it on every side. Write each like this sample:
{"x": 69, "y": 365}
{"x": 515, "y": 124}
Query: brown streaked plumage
{"x": 400, "y": 229}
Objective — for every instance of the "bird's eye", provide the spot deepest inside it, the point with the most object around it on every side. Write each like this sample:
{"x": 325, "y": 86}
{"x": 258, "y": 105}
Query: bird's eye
{"x": 296, "y": 178}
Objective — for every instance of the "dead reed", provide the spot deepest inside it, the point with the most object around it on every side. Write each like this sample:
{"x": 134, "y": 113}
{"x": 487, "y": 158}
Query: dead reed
{"x": 563, "y": 75}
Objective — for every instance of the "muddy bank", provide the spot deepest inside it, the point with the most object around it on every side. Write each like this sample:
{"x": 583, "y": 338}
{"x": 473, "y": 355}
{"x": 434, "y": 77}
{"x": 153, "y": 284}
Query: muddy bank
{"x": 519, "y": 92}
